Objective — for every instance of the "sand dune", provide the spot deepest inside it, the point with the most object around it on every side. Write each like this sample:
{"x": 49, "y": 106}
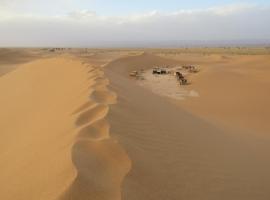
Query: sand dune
{"x": 75, "y": 126}
{"x": 37, "y": 128}
{"x": 55, "y": 138}
{"x": 100, "y": 161}
{"x": 234, "y": 92}
{"x": 176, "y": 155}
{"x": 9, "y": 58}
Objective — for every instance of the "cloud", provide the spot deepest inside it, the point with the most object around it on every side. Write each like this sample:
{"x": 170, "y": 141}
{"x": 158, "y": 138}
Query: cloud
{"x": 87, "y": 28}
{"x": 7, "y": 4}
{"x": 82, "y": 14}
{"x": 232, "y": 9}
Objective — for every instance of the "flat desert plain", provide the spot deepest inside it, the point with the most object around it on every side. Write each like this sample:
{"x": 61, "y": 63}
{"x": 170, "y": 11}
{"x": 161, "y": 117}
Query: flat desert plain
{"x": 74, "y": 125}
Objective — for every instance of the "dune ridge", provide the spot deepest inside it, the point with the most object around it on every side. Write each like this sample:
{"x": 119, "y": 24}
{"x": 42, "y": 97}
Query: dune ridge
{"x": 55, "y": 138}
{"x": 100, "y": 162}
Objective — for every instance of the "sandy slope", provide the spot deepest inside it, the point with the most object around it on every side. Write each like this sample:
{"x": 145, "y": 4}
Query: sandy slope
{"x": 234, "y": 91}
{"x": 70, "y": 132}
{"x": 55, "y": 141}
{"x": 37, "y": 127}
{"x": 7, "y": 60}
{"x": 176, "y": 155}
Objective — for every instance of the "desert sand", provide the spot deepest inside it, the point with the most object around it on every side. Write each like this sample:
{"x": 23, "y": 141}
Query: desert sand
{"x": 234, "y": 91}
{"x": 75, "y": 126}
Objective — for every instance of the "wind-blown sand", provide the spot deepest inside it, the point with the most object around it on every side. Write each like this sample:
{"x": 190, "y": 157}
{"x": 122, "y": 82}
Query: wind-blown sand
{"x": 75, "y": 126}
{"x": 176, "y": 155}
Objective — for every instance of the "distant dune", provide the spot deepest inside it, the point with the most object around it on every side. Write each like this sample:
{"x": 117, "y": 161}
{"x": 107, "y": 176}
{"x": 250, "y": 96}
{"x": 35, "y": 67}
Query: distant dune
{"x": 75, "y": 126}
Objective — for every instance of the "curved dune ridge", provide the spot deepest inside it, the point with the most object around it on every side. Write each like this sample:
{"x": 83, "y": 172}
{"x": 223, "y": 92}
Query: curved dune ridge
{"x": 100, "y": 161}
{"x": 55, "y": 139}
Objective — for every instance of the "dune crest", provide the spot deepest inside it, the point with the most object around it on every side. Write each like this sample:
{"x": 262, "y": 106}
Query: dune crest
{"x": 55, "y": 139}
{"x": 100, "y": 161}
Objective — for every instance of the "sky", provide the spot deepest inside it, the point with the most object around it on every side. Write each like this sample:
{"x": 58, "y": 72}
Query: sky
{"x": 97, "y": 23}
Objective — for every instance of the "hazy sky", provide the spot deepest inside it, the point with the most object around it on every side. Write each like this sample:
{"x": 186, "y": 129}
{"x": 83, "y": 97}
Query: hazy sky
{"x": 101, "y": 22}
